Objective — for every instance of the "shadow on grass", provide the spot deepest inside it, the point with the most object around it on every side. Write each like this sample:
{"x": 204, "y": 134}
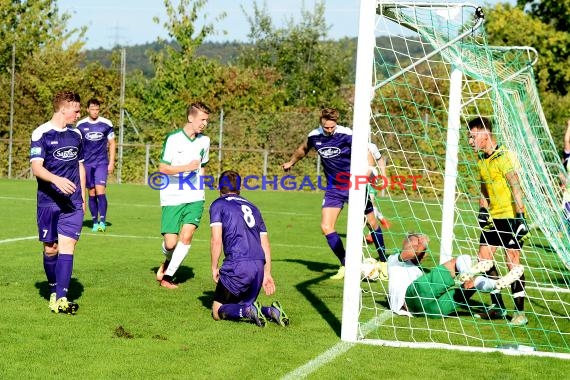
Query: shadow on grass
{"x": 75, "y": 289}
{"x": 207, "y": 299}
{"x": 182, "y": 275}
{"x": 89, "y": 223}
{"x": 315, "y": 299}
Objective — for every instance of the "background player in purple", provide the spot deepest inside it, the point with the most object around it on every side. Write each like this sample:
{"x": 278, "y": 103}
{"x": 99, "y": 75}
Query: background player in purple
{"x": 56, "y": 156}
{"x": 333, "y": 143}
{"x": 99, "y": 152}
{"x": 238, "y": 227}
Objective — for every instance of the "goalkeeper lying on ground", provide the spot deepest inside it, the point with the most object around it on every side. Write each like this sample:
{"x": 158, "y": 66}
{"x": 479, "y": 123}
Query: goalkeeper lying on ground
{"x": 435, "y": 294}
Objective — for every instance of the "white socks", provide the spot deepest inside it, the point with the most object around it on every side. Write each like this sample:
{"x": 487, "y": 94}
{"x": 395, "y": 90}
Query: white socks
{"x": 166, "y": 252}
{"x": 463, "y": 263}
{"x": 178, "y": 256}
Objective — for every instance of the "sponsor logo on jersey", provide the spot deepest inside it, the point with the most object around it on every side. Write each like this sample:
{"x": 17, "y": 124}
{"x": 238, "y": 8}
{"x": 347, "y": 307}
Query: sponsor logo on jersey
{"x": 36, "y": 150}
{"x": 94, "y": 136}
{"x": 66, "y": 153}
{"x": 329, "y": 152}
{"x": 54, "y": 142}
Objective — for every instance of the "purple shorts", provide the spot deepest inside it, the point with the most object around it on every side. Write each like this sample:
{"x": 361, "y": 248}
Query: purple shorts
{"x": 95, "y": 175}
{"x": 243, "y": 279}
{"x": 336, "y": 198}
{"x": 53, "y": 221}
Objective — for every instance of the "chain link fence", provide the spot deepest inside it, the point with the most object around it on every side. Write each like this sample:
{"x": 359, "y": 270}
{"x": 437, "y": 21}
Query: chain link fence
{"x": 141, "y": 160}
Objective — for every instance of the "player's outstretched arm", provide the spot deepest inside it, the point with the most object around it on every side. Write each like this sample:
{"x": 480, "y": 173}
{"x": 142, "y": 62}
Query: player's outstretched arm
{"x": 298, "y": 154}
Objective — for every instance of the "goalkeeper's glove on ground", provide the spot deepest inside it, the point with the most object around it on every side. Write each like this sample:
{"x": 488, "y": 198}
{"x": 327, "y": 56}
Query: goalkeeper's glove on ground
{"x": 483, "y": 217}
{"x": 520, "y": 227}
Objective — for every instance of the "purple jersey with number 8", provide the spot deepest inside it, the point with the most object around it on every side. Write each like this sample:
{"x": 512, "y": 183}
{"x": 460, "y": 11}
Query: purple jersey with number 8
{"x": 241, "y": 224}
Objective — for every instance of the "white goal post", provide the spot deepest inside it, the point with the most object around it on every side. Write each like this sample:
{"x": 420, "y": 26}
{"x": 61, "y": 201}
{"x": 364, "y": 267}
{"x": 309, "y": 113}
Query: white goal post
{"x": 423, "y": 69}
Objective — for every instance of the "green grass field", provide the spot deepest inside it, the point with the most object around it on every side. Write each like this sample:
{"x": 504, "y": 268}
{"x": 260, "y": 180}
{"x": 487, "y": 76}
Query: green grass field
{"x": 129, "y": 327}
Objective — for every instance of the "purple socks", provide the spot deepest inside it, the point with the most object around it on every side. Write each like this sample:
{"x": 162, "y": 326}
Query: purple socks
{"x": 63, "y": 271}
{"x": 336, "y": 245}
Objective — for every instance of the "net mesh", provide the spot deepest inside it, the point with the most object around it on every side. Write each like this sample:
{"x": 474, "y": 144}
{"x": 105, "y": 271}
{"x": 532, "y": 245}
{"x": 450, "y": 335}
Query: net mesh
{"x": 417, "y": 48}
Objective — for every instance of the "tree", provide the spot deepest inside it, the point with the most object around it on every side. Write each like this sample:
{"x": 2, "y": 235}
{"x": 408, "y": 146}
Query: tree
{"x": 47, "y": 59}
{"x": 30, "y": 25}
{"x": 551, "y": 12}
{"x": 180, "y": 75}
{"x": 543, "y": 26}
{"x": 313, "y": 70}
{"x": 512, "y": 27}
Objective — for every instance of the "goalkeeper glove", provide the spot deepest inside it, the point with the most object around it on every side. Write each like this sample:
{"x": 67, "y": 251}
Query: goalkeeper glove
{"x": 483, "y": 217}
{"x": 520, "y": 228}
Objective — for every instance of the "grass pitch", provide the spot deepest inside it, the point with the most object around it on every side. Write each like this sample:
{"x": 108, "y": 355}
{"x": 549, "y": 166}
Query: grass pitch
{"x": 129, "y": 327}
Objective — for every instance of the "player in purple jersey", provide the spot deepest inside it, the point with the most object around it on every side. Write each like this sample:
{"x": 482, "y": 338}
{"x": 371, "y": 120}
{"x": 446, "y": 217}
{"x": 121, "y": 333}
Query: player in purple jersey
{"x": 56, "y": 156}
{"x": 238, "y": 227}
{"x": 333, "y": 144}
{"x": 99, "y": 152}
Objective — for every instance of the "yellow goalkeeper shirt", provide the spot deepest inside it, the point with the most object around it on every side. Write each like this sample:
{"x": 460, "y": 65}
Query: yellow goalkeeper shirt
{"x": 493, "y": 170}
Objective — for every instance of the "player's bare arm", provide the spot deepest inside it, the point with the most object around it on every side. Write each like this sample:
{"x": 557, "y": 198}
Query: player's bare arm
{"x": 484, "y": 199}
{"x": 82, "y": 181}
{"x": 299, "y": 153}
{"x": 112, "y": 148}
{"x": 216, "y": 251}
{"x": 514, "y": 183}
{"x": 268, "y": 282}
{"x": 65, "y": 185}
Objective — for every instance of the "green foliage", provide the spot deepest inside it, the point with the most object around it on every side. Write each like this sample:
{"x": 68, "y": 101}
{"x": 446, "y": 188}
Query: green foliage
{"x": 137, "y": 56}
{"x": 552, "y": 12}
{"x": 30, "y": 25}
{"x": 180, "y": 76}
{"x": 270, "y": 88}
{"x": 53, "y": 68}
{"x": 313, "y": 70}
{"x": 510, "y": 26}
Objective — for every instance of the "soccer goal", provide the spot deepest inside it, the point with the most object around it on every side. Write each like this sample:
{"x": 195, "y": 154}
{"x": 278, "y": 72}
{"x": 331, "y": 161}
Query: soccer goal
{"x": 423, "y": 70}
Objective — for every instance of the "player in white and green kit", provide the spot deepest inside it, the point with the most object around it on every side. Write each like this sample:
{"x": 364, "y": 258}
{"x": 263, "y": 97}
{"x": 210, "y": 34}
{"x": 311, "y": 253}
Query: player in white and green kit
{"x": 184, "y": 154}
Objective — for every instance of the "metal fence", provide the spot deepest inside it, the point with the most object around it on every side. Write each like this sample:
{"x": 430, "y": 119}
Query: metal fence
{"x": 141, "y": 160}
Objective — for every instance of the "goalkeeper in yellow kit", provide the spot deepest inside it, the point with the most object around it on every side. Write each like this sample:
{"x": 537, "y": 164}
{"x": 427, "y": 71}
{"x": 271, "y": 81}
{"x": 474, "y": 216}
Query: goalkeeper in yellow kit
{"x": 501, "y": 215}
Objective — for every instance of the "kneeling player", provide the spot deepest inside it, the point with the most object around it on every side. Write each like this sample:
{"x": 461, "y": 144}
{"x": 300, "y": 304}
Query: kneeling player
{"x": 238, "y": 227}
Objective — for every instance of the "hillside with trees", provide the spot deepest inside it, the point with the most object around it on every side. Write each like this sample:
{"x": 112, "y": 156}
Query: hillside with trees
{"x": 270, "y": 88}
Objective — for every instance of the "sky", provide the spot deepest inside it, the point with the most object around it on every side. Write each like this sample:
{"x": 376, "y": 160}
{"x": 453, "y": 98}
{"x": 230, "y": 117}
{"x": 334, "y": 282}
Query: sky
{"x": 130, "y": 22}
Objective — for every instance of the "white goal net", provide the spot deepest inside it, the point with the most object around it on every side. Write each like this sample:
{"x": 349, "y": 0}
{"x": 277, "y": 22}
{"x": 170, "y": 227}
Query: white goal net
{"x": 424, "y": 69}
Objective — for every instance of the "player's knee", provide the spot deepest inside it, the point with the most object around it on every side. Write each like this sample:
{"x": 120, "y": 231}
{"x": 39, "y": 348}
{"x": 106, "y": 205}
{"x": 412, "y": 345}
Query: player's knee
{"x": 371, "y": 222}
{"x": 185, "y": 239}
{"x": 50, "y": 250}
{"x": 327, "y": 229}
{"x": 215, "y": 314}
